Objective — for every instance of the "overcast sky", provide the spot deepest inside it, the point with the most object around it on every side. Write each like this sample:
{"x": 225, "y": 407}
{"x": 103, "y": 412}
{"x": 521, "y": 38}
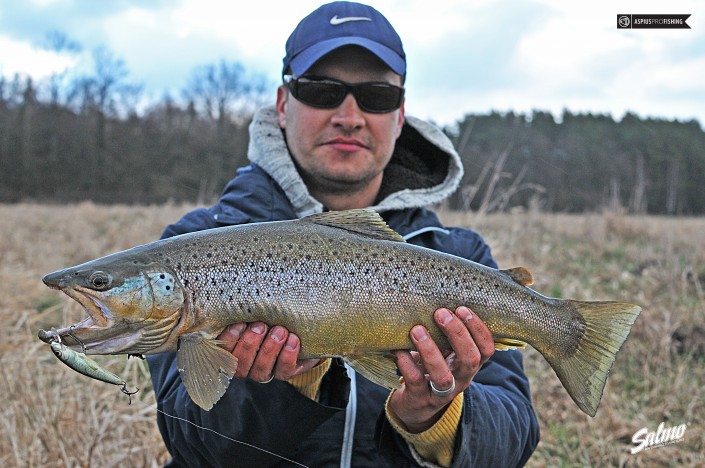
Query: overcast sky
{"x": 463, "y": 55}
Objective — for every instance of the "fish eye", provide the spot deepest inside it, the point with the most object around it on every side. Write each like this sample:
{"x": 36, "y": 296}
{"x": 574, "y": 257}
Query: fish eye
{"x": 99, "y": 280}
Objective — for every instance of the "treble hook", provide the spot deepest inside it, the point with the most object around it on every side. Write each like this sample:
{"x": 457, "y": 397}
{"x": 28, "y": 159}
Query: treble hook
{"x": 70, "y": 333}
{"x": 128, "y": 393}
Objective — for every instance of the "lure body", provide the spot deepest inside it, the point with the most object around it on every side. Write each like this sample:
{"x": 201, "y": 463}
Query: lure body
{"x": 83, "y": 364}
{"x": 87, "y": 366}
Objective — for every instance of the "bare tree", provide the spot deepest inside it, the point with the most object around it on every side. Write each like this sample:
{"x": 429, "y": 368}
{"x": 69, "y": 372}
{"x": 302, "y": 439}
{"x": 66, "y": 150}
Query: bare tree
{"x": 224, "y": 91}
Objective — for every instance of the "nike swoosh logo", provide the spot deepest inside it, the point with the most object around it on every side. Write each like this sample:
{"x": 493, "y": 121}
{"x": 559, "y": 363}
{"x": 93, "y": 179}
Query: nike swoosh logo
{"x": 336, "y": 21}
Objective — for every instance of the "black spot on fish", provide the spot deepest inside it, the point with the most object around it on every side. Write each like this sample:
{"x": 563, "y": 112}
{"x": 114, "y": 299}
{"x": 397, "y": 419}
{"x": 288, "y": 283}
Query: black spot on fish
{"x": 162, "y": 276}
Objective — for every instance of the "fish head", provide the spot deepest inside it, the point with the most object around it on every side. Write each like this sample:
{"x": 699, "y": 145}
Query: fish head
{"x": 132, "y": 303}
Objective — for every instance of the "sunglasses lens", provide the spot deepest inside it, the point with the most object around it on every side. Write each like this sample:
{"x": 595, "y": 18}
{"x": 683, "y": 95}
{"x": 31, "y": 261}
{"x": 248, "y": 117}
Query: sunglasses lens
{"x": 328, "y": 93}
{"x": 378, "y": 97}
{"x": 325, "y": 94}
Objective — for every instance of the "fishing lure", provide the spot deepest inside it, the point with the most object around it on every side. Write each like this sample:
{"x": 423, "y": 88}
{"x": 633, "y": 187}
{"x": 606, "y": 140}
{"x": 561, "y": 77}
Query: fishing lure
{"x": 86, "y": 366}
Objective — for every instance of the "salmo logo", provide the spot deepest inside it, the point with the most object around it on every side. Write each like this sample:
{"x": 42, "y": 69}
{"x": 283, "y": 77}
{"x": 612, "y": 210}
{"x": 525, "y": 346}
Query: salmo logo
{"x": 663, "y": 436}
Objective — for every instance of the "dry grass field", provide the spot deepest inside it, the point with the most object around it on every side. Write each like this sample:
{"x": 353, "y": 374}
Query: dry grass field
{"x": 52, "y": 416}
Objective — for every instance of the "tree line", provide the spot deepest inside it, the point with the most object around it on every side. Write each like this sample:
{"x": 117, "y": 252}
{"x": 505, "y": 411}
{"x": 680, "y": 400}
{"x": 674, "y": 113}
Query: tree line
{"x": 89, "y": 136}
{"x": 583, "y": 162}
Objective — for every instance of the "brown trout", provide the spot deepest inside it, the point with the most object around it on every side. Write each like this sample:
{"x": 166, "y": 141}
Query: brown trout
{"x": 344, "y": 282}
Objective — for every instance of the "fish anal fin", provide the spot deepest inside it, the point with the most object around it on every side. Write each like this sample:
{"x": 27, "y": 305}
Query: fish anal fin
{"x": 505, "y": 344}
{"x": 365, "y": 222}
{"x": 205, "y": 368}
{"x": 520, "y": 275}
{"x": 380, "y": 369}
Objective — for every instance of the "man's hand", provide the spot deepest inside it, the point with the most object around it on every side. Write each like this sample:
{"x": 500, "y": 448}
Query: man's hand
{"x": 262, "y": 356}
{"x": 414, "y": 403}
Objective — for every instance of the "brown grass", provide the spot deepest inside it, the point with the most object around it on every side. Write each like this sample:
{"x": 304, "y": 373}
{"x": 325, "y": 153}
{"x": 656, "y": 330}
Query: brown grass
{"x": 53, "y": 416}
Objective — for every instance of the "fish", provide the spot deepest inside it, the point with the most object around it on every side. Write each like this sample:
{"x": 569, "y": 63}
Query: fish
{"x": 344, "y": 282}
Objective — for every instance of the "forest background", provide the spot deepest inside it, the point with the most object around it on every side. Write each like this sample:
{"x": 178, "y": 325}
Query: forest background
{"x": 92, "y": 136}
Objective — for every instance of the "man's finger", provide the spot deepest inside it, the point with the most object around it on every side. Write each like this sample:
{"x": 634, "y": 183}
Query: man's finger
{"x": 262, "y": 369}
{"x": 481, "y": 335}
{"x": 247, "y": 346}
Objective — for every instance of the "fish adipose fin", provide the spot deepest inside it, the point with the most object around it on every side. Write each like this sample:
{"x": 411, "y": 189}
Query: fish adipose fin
{"x": 380, "y": 369}
{"x": 520, "y": 275}
{"x": 365, "y": 221}
{"x": 585, "y": 371}
{"x": 205, "y": 368}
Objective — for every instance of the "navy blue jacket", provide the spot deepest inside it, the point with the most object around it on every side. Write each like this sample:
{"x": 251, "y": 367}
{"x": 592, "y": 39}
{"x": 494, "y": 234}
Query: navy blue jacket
{"x": 498, "y": 426}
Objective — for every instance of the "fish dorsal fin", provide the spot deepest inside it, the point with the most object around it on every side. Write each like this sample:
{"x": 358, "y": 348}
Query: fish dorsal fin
{"x": 520, "y": 275}
{"x": 365, "y": 222}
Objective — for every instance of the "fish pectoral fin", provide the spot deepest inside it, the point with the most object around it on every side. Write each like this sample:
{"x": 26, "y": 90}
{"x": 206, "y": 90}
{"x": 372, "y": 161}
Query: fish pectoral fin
{"x": 205, "y": 368}
{"x": 365, "y": 222}
{"x": 505, "y": 344}
{"x": 520, "y": 275}
{"x": 378, "y": 368}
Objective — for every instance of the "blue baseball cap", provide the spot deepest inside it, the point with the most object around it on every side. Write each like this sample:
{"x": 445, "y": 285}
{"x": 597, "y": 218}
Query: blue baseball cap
{"x": 339, "y": 24}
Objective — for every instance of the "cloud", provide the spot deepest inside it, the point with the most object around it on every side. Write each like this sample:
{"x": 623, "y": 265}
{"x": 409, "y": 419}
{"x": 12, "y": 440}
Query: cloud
{"x": 28, "y": 60}
{"x": 463, "y": 56}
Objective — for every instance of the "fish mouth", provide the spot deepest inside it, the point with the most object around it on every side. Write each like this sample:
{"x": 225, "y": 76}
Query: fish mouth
{"x": 98, "y": 333}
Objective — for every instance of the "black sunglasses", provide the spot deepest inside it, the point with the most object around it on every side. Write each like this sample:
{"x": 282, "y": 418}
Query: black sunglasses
{"x": 327, "y": 93}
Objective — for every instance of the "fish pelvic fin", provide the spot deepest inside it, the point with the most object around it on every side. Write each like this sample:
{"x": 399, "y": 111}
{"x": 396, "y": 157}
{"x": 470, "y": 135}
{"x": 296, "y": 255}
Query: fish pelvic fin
{"x": 365, "y": 222}
{"x": 380, "y": 369}
{"x": 584, "y": 373}
{"x": 205, "y": 368}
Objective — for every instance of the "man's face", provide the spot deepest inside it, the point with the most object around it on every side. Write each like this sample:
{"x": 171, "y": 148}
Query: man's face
{"x": 344, "y": 149}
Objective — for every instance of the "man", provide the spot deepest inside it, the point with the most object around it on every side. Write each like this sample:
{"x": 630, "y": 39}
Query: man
{"x": 338, "y": 139}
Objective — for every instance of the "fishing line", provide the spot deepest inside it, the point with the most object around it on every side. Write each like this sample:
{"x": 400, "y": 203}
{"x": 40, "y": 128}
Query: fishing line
{"x": 231, "y": 439}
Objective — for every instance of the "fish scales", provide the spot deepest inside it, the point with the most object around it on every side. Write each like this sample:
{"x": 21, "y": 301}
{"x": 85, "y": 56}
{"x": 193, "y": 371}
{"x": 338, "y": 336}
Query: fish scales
{"x": 344, "y": 282}
{"x": 308, "y": 275}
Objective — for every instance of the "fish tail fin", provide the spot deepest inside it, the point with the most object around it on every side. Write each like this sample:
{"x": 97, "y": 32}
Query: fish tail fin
{"x": 584, "y": 372}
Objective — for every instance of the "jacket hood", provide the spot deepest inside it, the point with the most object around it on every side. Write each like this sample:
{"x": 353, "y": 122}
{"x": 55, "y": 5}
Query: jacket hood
{"x": 424, "y": 170}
